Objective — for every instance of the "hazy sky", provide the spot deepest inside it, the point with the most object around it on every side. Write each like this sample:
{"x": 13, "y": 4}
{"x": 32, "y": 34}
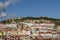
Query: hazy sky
{"x": 49, "y": 8}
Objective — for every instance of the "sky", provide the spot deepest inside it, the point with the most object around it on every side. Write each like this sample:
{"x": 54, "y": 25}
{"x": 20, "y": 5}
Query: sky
{"x": 35, "y": 8}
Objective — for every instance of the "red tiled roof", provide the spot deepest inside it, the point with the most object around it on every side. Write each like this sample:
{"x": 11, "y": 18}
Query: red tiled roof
{"x": 58, "y": 32}
{"x": 48, "y": 32}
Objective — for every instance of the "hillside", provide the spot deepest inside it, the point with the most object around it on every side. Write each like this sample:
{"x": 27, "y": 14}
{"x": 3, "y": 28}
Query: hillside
{"x": 33, "y": 19}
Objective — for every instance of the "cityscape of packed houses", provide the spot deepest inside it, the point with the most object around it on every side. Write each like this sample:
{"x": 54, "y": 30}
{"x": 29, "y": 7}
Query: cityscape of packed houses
{"x": 29, "y": 31}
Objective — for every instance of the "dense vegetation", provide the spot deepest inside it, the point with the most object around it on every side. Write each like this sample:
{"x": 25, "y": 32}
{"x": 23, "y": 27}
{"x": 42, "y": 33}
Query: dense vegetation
{"x": 38, "y": 18}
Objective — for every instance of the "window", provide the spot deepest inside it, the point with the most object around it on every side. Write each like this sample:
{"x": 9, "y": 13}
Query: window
{"x": 37, "y": 29}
